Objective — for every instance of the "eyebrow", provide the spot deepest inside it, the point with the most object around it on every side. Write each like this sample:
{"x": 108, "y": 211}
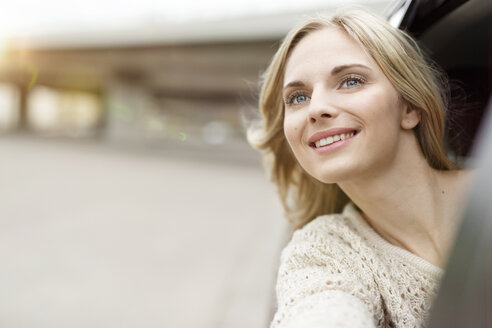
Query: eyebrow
{"x": 294, "y": 84}
{"x": 338, "y": 69}
{"x": 334, "y": 71}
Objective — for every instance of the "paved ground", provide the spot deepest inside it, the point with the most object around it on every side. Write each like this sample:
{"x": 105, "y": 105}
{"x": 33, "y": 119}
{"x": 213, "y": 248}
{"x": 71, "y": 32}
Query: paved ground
{"x": 93, "y": 236}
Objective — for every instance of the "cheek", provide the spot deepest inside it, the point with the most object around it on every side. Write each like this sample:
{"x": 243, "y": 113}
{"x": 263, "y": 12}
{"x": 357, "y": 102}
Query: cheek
{"x": 291, "y": 130}
{"x": 383, "y": 126}
{"x": 382, "y": 109}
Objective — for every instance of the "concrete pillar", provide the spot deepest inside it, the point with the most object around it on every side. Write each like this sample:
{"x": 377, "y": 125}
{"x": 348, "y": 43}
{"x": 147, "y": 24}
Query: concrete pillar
{"x": 125, "y": 105}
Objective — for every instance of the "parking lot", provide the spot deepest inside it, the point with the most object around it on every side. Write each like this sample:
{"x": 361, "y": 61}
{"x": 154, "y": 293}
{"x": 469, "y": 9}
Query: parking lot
{"x": 99, "y": 236}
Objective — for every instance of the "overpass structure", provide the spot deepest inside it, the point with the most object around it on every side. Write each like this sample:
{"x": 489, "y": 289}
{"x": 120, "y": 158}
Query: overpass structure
{"x": 185, "y": 80}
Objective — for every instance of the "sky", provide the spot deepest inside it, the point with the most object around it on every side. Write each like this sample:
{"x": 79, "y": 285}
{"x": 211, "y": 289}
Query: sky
{"x": 34, "y": 17}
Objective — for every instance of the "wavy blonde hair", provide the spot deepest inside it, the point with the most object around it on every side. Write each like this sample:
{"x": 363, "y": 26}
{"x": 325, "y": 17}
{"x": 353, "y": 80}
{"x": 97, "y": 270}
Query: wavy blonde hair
{"x": 401, "y": 60}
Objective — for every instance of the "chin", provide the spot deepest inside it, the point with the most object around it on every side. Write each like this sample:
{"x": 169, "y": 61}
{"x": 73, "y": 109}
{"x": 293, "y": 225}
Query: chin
{"x": 333, "y": 175}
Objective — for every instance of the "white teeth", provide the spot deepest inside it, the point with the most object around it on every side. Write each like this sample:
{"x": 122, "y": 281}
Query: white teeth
{"x": 332, "y": 139}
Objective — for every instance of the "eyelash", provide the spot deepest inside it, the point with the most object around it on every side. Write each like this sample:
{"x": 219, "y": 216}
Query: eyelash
{"x": 289, "y": 100}
{"x": 360, "y": 79}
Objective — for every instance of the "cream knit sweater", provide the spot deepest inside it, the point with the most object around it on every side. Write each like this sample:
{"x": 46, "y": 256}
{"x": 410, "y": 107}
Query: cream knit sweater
{"x": 338, "y": 272}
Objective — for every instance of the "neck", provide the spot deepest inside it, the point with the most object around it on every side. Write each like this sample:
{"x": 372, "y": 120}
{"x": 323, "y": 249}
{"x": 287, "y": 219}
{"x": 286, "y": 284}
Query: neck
{"x": 409, "y": 204}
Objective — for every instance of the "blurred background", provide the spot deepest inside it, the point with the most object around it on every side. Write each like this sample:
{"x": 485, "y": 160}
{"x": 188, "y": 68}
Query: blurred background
{"x": 128, "y": 193}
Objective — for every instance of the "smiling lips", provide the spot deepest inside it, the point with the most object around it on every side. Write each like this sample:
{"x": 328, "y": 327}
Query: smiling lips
{"x": 331, "y": 136}
{"x": 335, "y": 138}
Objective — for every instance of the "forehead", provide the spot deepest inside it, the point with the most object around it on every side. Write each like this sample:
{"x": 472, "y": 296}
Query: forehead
{"x": 323, "y": 49}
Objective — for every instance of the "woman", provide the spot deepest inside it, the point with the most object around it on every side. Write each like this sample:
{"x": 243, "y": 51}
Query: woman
{"x": 353, "y": 123}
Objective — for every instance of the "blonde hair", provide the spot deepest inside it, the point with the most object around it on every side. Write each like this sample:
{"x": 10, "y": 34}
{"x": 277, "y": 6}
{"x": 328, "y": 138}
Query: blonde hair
{"x": 403, "y": 63}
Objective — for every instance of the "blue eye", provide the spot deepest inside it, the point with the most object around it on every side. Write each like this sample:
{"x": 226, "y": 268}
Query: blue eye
{"x": 299, "y": 99}
{"x": 351, "y": 83}
{"x": 296, "y": 98}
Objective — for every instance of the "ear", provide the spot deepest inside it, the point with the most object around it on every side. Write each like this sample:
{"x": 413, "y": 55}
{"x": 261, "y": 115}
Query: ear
{"x": 410, "y": 116}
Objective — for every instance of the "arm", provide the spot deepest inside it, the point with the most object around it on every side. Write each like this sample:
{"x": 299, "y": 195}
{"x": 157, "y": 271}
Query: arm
{"x": 318, "y": 284}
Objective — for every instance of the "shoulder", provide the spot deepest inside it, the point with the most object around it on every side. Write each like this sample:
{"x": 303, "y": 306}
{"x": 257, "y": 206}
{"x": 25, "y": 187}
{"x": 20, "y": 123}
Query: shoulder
{"x": 331, "y": 228}
{"x": 325, "y": 239}
{"x": 319, "y": 227}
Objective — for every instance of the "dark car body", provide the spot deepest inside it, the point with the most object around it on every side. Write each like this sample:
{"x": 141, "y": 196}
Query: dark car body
{"x": 457, "y": 35}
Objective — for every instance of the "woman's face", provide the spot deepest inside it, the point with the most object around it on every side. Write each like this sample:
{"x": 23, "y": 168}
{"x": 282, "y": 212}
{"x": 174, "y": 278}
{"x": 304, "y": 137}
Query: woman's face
{"x": 343, "y": 117}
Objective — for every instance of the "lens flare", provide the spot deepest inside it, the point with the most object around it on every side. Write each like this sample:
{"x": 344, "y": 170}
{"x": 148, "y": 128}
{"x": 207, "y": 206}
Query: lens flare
{"x": 33, "y": 70}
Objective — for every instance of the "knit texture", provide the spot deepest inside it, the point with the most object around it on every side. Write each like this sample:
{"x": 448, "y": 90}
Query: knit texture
{"x": 338, "y": 272}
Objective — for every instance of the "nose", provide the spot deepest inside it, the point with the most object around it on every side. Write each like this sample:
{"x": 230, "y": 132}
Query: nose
{"x": 320, "y": 107}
